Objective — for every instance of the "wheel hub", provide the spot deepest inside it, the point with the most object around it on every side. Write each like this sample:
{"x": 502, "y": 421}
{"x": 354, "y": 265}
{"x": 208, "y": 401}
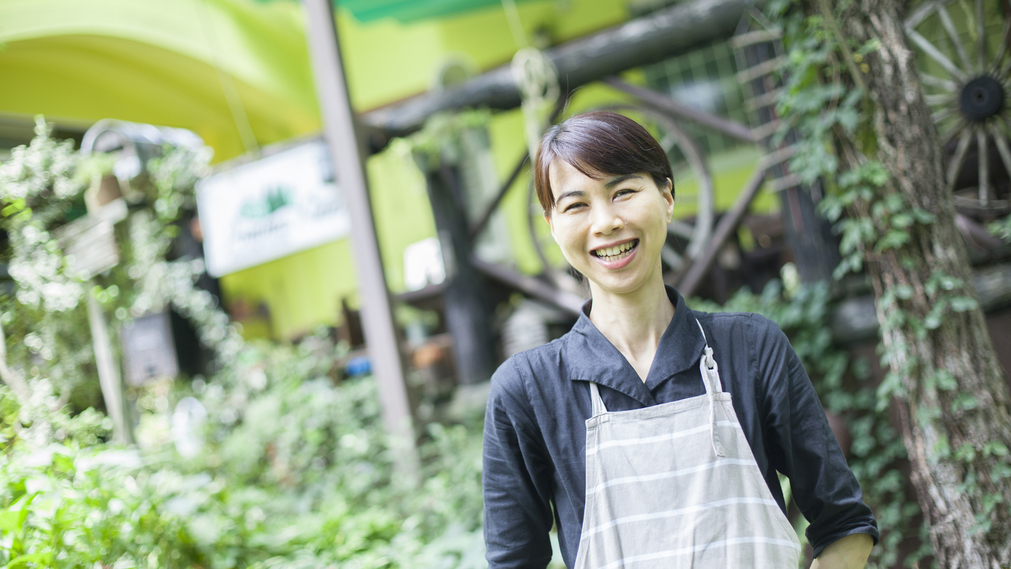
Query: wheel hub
{"x": 981, "y": 98}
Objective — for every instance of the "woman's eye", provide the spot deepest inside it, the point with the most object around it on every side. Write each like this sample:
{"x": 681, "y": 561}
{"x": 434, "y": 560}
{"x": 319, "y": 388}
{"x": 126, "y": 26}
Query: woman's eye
{"x": 624, "y": 192}
{"x": 572, "y": 206}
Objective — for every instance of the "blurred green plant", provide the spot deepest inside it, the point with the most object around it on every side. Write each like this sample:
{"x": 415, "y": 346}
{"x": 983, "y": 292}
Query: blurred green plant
{"x": 295, "y": 472}
{"x": 1002, "y": 228}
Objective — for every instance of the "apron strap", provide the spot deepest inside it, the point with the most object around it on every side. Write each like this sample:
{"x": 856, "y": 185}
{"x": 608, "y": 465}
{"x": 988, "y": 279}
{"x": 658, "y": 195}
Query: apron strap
{"x": 711, "y": 378}
{"x": 710, "y": 371}
{"x": 596, "y": 403}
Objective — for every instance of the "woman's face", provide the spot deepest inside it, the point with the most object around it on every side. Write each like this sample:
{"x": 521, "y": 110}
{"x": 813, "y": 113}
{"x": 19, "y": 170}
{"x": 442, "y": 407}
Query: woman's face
{"x": 611, "y": 230}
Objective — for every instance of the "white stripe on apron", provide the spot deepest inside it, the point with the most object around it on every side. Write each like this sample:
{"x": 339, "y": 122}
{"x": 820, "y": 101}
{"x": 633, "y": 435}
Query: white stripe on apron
{"x": 676, "y": 485}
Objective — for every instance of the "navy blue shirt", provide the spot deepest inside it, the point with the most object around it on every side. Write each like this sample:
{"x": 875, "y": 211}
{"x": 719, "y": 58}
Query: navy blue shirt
{"x": 535, "y": 433}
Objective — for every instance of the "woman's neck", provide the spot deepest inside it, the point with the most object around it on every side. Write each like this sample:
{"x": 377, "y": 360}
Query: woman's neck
{"x": 633, "y": 323}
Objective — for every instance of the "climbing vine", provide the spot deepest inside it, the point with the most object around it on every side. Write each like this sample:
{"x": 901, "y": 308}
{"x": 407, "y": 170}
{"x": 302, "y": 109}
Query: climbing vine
{"x": 826, "y": 102}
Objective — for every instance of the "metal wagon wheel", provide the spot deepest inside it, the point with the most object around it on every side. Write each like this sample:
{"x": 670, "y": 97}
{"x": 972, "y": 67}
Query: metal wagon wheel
{"x": 965, "y": 69}
{"x": 687, "y": 236}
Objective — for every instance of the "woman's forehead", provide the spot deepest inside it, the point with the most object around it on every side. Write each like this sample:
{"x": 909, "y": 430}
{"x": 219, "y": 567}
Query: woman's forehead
{"x": 561, "y": 172}
{"x": 564, "y": 175}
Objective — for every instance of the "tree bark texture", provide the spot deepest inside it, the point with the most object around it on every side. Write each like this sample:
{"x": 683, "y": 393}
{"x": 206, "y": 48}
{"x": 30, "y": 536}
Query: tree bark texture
{"x": 954, "y": 489}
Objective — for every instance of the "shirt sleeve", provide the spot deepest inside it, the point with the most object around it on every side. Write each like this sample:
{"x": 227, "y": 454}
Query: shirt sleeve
{"x": 801, "y": 444}
{"x": 516, "y": 477}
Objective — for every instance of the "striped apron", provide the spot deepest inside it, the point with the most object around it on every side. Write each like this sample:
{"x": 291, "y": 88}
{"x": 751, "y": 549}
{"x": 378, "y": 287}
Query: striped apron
{"x": 676, "y": 485}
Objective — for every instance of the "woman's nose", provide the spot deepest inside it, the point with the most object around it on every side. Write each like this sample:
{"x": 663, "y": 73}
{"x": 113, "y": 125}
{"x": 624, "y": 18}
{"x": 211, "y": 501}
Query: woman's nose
{"x": 605, "y": 220}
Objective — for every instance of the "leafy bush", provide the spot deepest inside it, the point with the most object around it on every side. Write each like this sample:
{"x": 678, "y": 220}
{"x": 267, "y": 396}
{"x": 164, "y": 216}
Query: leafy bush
{"x": 295, "y": 472}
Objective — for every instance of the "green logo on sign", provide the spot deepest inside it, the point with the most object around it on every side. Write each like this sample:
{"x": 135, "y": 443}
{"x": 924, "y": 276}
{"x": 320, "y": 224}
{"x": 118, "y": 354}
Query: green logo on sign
{"x": 275, "y": 198}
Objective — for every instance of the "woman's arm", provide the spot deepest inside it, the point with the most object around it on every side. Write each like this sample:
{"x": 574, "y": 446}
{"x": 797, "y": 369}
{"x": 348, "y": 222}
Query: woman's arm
{"x": 515, "y": 478}
{"x": 850, "y": 552}
{"x": 800, "y": 444}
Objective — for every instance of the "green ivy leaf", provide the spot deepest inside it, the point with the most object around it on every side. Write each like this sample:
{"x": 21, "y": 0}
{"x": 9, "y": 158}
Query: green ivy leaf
{"x": 963, "y": 303}
{"x": 14, "y": 207}
{"x": 995, "y": 448}
{"x": 893, "y": 239}
{"x": 964, "y": 402}
{"x": 932, "y": 321}
{"x": 944, "y": 380}
{"x": 902, "y": 220}
{"x": 922, "y": 216}
{"x": 966, "y": 453}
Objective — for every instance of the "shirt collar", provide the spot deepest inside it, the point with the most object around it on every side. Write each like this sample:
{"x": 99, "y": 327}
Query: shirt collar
{"x": 594, "y": 358}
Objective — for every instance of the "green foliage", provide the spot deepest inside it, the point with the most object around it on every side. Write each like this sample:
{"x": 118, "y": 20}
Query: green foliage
{"x": 1002, "y": 228}
{"x": 295, "y": 472}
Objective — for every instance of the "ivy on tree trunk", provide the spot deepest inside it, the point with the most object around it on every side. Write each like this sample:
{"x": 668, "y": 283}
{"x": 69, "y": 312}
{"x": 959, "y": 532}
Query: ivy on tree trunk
{"x": 944, "y": 377}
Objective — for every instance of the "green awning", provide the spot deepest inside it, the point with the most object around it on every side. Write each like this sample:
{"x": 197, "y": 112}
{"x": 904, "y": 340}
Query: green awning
{"x": 409, "y": 10}
{"x": 166, "y": 62}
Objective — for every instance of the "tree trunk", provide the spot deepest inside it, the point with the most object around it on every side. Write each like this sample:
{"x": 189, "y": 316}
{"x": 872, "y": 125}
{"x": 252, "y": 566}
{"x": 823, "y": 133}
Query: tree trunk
{"x": 957, "y": 446}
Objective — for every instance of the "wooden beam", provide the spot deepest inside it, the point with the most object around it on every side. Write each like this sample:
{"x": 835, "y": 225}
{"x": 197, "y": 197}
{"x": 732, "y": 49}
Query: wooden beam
{"x": 531, "y": 286}
{"x": 645, "y": 40}
{"x": 727, "y": 224}
{"x": 467, "y": 310}
{"x": 666, "y": 105}
{"x": 855, "y": 320}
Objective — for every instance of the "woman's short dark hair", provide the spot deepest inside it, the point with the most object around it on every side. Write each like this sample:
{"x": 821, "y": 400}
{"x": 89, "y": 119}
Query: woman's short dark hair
{"x": 598, "y": 144}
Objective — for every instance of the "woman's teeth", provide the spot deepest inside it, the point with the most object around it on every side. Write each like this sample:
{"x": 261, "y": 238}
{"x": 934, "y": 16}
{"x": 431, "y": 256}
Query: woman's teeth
{"x": 615, "y": 253}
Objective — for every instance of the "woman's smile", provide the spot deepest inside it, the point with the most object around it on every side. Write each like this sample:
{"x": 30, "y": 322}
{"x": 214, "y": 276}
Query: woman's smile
{"x": 616, "y": 256}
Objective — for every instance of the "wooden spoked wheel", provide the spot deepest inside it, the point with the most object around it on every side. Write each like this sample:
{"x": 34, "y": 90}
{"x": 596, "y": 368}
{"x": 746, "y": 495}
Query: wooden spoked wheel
{"x": 687, "y": 234}
{"x": 965, "y": 69}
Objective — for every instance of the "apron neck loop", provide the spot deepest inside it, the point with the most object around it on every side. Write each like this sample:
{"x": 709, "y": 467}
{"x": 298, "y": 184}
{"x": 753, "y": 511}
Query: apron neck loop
{"x": 711, "y": 378}
{"x": 710, "y": 371}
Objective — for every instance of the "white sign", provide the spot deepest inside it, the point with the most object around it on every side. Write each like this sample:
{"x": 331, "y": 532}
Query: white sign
{"x": 270, "y": 208}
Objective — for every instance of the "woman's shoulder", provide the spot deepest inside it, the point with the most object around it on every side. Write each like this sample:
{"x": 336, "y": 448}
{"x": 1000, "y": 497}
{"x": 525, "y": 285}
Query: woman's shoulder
{"x": 756, "y": 334}
{"x": 744, "y": 322}
{"x": 545, "y": 363}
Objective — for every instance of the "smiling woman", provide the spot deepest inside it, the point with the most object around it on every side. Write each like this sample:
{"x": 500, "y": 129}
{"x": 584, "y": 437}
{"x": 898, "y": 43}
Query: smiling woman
{"x": 607, "y": 201}
{"x": 611, "y": 228}
{"x": 653, "y": 432}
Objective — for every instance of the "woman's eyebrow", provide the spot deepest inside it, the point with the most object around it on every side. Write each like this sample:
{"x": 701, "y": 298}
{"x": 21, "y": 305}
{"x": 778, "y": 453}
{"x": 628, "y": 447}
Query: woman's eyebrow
{"x": 572, "y": 194}
{"x": 619, "y": 179}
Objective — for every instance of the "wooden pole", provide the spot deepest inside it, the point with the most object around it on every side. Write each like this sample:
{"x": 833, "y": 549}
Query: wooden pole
{"x": 108, "y": 373}
{"x": 468, "y": 313}
{"x": 727, "y": 224}
{"x": 377, "y": 314}
{"x": 13, "y": 380}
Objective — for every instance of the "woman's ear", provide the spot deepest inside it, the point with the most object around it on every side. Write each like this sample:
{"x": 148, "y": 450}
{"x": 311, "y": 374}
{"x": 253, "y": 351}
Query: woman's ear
{"x": 668, "y": 195}
{"x": 551, "y": 226}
